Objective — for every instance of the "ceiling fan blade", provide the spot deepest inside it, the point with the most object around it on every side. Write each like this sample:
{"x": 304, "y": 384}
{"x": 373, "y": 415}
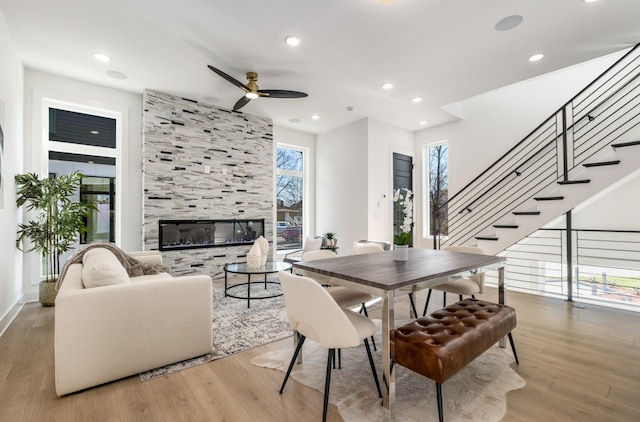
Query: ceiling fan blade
{"x": 281, "y": 93}
{"x": 229, "y": 78}
{"x": 241, "y": 103}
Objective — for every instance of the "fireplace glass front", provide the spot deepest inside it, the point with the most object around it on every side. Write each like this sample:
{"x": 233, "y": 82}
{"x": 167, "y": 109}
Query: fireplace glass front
{"x": 188, "y": 234}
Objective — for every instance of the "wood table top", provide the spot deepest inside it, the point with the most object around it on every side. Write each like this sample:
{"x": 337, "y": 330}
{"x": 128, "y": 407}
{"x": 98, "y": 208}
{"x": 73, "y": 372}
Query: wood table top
{"x": 382, "y": 271}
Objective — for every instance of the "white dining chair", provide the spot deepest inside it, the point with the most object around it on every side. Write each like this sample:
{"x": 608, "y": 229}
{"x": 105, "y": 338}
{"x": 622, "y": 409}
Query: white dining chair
{"x": 310, "y": 244}
{"x": 325, "y": 322}
{"x": 467, "y": 286}
{"x": 344, "y": 296}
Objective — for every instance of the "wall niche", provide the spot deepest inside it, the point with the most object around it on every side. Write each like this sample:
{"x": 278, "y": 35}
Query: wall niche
{"x": 203, "y": 163}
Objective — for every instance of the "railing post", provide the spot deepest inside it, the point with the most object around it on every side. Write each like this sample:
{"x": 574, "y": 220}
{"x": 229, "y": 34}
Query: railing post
{"x": 565, "y": 147}
{"x": 569, "y": 258}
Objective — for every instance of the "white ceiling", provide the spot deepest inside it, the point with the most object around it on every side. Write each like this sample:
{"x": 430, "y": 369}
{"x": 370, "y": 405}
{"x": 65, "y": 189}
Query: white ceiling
{"x": 442, "y": 50}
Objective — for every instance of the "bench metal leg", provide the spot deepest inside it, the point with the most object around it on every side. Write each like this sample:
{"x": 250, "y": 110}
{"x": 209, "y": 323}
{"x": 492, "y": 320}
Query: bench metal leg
{"x": 513, "y": 347}
{"x": 439, "y": 398}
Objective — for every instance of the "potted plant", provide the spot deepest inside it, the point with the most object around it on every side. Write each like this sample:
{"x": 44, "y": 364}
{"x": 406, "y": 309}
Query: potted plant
{"x": 56, "y": 228}
{"x": 403, "y": 199}
{"x": 331, "y": 239}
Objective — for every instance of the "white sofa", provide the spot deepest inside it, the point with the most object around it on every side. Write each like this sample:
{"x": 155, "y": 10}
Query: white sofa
{"x": 110, "y": 332}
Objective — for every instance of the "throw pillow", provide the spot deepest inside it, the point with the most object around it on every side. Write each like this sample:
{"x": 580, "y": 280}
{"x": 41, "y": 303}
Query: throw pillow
{"x": 100, "y": 267}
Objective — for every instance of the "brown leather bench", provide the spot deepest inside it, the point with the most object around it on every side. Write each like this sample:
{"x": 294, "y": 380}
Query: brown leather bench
{"x": 441, "y": 344}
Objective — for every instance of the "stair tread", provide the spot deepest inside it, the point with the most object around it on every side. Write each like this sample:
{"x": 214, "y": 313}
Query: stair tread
{"x": 602, "y": 163}
{"x": 574, "y": 182}
{"x": 526, "y": 212}
{"x": 486, "y": 237}
{"x": 625, "y": 144}
{"x": 549, "y": 198}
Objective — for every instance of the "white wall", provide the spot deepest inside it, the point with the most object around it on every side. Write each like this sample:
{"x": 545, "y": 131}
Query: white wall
{"x": 341, "y": 183}
{"x": 41, "y": 86}
{"x": 11, "y": 87}
{"x": 384, "y": 140}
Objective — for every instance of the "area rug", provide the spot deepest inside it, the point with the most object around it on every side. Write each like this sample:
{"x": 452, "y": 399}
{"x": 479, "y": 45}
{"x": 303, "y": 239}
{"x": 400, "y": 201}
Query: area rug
{"x": 237, "y": 328}
{"x": 477, "y": 393}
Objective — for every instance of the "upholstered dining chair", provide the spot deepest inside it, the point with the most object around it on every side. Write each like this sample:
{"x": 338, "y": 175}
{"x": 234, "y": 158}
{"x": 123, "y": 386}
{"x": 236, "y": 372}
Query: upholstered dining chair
{"x": 325, "y": 322}
{"x": 462, "y": 286}
{"x": 344, "y": 296}
{"x": 310, "y": 244}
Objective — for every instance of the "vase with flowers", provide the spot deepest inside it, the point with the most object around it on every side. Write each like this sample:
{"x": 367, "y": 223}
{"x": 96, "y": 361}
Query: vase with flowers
{"x": 403, "y": 209}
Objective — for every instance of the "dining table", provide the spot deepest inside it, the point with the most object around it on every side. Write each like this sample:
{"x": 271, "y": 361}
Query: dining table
{"x": 381, "y": 275}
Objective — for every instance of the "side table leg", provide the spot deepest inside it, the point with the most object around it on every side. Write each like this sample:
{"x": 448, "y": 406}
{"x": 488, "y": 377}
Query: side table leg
{"x": 225, "y": 283}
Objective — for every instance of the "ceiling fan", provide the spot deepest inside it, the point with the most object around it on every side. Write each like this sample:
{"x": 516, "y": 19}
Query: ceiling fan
{"x": 252, "y": 90}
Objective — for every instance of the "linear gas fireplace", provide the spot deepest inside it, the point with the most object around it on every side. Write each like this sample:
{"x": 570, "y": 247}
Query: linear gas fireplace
{"x": 189, "y": 234}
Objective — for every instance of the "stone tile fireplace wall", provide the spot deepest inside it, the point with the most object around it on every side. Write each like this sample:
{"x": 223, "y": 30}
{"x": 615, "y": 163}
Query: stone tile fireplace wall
{"x": 203, "y": 162}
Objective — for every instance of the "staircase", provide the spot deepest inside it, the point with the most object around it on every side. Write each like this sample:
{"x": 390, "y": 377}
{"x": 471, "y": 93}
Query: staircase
{"x": 586, "y": 147}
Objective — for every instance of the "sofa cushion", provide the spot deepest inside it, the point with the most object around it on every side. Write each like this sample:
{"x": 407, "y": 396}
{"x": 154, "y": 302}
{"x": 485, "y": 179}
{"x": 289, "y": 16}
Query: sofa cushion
{"x": 100, "y": 267}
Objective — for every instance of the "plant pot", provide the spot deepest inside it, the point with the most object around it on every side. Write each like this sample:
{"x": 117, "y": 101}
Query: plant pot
{"x": 48, "y": 293}
{"x": 401, "y": 252}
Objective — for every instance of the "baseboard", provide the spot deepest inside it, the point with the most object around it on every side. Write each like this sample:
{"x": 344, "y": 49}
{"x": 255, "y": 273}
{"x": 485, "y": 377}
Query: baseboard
{"x": 11, "y": 314}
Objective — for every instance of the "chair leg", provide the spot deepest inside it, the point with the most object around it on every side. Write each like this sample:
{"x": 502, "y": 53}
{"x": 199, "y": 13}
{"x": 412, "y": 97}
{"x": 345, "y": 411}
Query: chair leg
{"x": 373, "y": 367}
{"x": 513, "y": 347}
{"x": 460, "y": 297}
{"x": 413, "y": 305}
{"x": 339, "y": 358}
{"x": 439, "y": 398}
{"x": 293, "y": 360}
{"x": 426, "y": 305}
{"x": 327, "y": 382}
{"x": 364, "y": 311}
{"x": 444, "y": 299}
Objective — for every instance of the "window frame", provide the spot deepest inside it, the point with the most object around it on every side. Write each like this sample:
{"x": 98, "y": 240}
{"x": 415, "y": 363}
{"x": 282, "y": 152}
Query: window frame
{"x": 304, "y": 174}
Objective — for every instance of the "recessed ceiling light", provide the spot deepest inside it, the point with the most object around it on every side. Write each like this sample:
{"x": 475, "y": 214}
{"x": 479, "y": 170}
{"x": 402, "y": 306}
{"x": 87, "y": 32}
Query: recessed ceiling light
{"x": 387, "y": 1}
{"x": 292, "y": 40}
{"x": 294, "y": 120}
{"x": 509, "y": 22}
{"x": 536, "y": 57}
{"x": 101, "y": 57}
{"x": 116, "y": 75}
{"x": 387, "y": 85}
{"x": 315, "y": 117}
{"x": 423, "y": 123}
{"x": 212, "y": 100}
{"x": 589, "y": 1}
{"x": 416, "y": 100}
{"x": 94, "y": 132}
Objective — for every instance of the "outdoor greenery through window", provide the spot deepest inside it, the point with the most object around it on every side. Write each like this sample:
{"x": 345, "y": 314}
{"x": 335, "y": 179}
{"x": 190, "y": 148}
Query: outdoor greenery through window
{"x": 437, "y": 165}
{"x": 289, "y": 198}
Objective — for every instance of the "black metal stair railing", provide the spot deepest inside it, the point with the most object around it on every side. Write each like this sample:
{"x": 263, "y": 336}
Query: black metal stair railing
{"x": 603, "y": 113}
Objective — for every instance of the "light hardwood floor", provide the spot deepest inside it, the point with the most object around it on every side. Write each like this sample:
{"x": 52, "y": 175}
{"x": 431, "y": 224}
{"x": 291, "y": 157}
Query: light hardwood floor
{"x": 580, "y": 364}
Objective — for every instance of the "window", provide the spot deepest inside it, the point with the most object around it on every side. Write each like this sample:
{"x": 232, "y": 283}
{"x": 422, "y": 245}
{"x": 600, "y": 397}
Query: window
{"x": 289, "y": 197}
{"x": 86, "y": 142}
{"x": 437, "y": 160}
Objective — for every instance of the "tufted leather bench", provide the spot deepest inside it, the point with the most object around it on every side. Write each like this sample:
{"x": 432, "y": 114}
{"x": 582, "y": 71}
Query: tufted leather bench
{"x": 441, "y": 344}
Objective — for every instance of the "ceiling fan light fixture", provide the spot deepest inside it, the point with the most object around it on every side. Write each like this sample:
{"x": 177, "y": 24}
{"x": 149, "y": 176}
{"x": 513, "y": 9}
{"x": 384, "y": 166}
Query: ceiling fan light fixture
{"x": 251, "y": 95}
